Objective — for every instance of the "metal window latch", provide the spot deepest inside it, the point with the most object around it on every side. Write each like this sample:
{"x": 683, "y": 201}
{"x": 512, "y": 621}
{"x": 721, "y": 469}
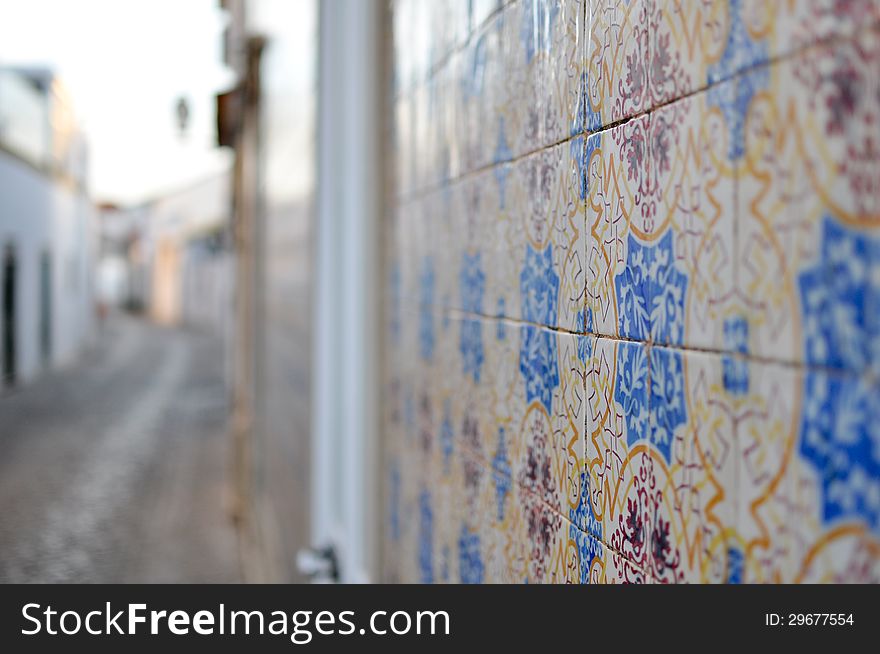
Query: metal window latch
{"x": 320, "y": 565}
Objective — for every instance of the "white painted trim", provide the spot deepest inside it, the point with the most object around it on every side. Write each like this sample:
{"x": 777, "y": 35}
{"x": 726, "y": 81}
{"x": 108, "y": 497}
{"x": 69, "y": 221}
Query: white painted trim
{"x": 345, "y": 486}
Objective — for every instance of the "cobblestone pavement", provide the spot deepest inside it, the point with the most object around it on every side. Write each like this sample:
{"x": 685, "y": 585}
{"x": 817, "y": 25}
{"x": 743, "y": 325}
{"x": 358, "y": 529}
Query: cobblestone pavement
{"x": 116, "y": 468}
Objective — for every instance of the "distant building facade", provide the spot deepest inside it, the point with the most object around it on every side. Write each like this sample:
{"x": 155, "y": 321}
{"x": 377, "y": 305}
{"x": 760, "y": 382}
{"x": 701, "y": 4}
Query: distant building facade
{"x": 170, "y": 258}
{"x": 47, "y": 236}
{"x": 190, "y": 263}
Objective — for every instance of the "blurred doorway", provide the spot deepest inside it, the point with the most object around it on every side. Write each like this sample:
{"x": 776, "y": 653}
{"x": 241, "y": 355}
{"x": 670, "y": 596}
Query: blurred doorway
{"x": 10, "y": 268}
{"x": 46, "y": 307}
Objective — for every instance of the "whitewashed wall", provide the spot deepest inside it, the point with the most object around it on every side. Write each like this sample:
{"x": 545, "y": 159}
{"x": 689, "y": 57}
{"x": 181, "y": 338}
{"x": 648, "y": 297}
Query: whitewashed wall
{"x": 38, "y": 213}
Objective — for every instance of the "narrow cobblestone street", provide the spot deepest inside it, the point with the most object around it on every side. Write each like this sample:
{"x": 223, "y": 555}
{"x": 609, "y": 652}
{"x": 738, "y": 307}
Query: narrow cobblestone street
{"x": 116, "y": 469}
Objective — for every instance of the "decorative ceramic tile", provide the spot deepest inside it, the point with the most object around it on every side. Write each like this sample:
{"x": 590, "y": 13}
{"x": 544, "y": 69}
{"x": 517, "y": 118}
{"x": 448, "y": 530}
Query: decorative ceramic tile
{"x": 686, "y": 40}
{"x": 809, "y": 202}
{"x": 544, "y": 73}
{"x": 694, "y": 468}
{"x": 548, "y": 452}
{"x": 785, "y": 27}
{"x": 528, "y": 237}
{"x": 617, "y": 70}
{"x": 620, "y": 570}
{"x": 481, "y": 92}
{"x": 617, "y": 296}
{"x": 617, "y": 460}
{"x": 661, "y": 216}
{"x": 686, "y": 226}
{"x": 522, "y": 478}
{"x": 550, "y": 236}
{"x": 649, "y": 353}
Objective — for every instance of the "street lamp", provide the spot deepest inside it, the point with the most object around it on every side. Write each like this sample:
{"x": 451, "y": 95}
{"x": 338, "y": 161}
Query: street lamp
{"x": 182, "y": 110}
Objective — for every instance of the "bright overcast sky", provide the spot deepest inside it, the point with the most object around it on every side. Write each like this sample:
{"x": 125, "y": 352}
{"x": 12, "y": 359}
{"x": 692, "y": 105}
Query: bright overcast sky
{"x": 125, "y": 63}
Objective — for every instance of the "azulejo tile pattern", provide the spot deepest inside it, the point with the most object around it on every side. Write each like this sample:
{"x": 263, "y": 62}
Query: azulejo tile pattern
{"x": 633, "y": 299}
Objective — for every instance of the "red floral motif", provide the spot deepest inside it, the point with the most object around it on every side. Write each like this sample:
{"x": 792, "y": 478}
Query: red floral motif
{"x": 473, "y": 471}
{"x": 668, "y": 79}
{"x": 646, "y": 147}
{"x": 842, "y": 86}
{"x": 540, "y": 493}
{"x": 642, "y": 536}
{"x": 630, "y": 537}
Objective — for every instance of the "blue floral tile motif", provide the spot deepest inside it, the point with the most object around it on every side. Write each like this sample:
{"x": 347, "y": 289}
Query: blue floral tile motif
{"x": 840, "y": 300}
{"x": 502, "y": 148}
{"x": 579, "y": 122}
{"x": 631, "y": 389}
{"x": 586, "y": 118}
{"x": 588, "y": 549}
{"x": 740, "y": 50}
{"x": 539, "y": 364}
{"x": 735, "y": 373}
{"x": 668, "y": 408}
{"x": 470, "y": 561}
{"x": 426, "y": 309}
{"x": 501, "y": 474}
{"x": 631, "y": 287}
{"x": 585, "y": 530}
{"x": 539, "y": 287}
{"x": 651, "y": 292}
{"x": 840, "y": 436}
{"x": 500, "y": 327}
{"x": 472, "y": 347}
{"x": 472, "y": 285}
{"x": 502, "y": 154}
{"x": 537, "y": 26}
{"x": 446, "y": 435}
{"x": 426, "y": 538}
{"x": 735, "y": 564}
{"x": 733, "y": 98}
{"x": 582, "y": 515}
{"x": 584, "y": 348}
{"x": 666, "y": 289}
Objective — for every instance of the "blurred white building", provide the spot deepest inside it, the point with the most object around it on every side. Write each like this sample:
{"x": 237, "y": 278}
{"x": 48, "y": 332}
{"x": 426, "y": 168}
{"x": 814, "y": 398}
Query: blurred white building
{"x": 169, "y": 257}
{"x": 47, "y": 237}
{"x": 122, "y": 273}
{"x": 186, "y": 244}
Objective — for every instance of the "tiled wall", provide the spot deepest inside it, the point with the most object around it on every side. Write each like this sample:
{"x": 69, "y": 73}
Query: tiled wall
{"x": 633, "y": 303}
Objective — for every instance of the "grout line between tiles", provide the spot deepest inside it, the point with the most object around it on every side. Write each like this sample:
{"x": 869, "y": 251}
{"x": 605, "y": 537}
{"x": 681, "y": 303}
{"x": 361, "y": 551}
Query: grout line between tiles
{"x": 418, "y": 193}
{"x": 459, "y": 314}
{"x": 480, "y": 459}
